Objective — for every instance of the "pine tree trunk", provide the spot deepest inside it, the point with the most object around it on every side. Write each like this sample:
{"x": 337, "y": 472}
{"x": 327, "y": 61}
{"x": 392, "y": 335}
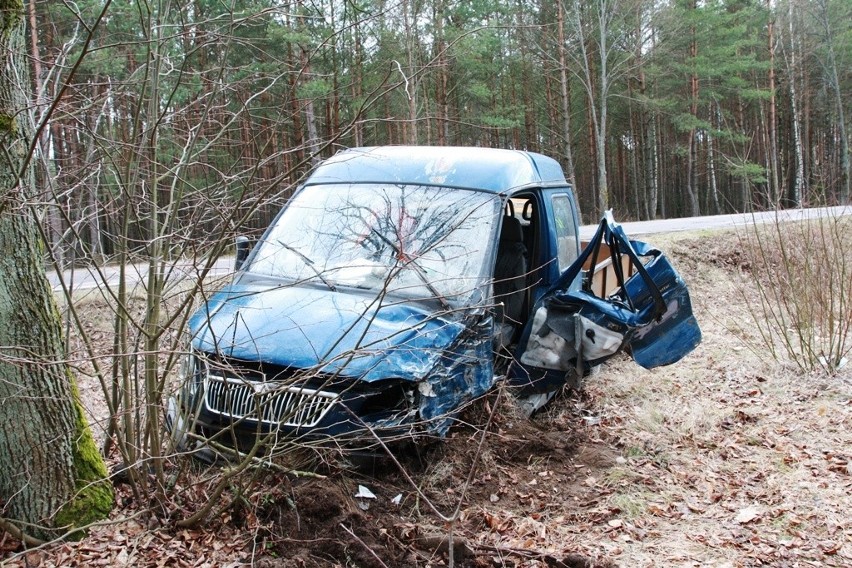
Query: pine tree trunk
{"x": 774, "y": 181}
{"x": 662, "y": 170}
{"x": 715, "y": 120}
{"x": 527, "y": 103}
{"x": 310, "y": 115}
{"x": 797, "y": 188}
{"x": 565, "y": 98}
{"x": 298, "y": 139}
{"x": 827, "y": 23}
{"x": 692, "y": 155}
{"x": 639, "y": 126}
{"x": 54, "y": 219}
{"x": 358, "y": 125}
{"x": 651, "y": 164}
{"x": 601, "y": 122}
{"x": 47, "y": 455}
{"x": 443, "y": 127}
{"x": 410, "y": 20}
{"x": 636, "y": 185}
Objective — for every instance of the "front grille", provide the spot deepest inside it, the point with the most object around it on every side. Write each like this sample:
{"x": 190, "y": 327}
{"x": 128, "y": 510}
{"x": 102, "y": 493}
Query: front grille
{"x": 268, "y": 402}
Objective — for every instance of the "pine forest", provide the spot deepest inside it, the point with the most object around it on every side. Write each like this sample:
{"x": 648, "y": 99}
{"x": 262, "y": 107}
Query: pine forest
{"x": 199, "y": 118}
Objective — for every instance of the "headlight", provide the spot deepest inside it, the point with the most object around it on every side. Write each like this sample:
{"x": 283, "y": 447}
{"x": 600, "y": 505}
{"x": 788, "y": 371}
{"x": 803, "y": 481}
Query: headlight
{"x": 389, "y": 395}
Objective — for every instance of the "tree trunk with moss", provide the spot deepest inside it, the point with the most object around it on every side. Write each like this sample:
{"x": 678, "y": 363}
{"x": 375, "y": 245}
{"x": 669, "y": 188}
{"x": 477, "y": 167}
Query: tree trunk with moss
{"x": 52, "y": 477}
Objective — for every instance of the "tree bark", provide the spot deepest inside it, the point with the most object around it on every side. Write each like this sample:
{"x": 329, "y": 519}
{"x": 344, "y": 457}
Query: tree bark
{"x": 358, "y": 61}
{"x": 565, "y": 98}
{"x": 827, "y": 24}
{"x": 797, "y": 187}
{"x": 715, "y": 120}
{"x": 51, "y": 474}
{"x": 646, "y": 191}
{"x": 601, "y": 117}
{"x": 54, "y": 219}
{"x": 692, "y": 154}
{"x": 651, "y": 164}
{"x": 597, "y": 80}
{"x": 774, "y": 181}
{"x": 443, "y": 126}
{"x": 310, "y": 116}
{"x": 410, "y": 21}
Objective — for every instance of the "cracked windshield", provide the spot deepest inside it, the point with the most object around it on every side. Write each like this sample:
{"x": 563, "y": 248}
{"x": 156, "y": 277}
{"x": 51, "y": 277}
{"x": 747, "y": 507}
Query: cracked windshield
{"x": 417, "y": 241}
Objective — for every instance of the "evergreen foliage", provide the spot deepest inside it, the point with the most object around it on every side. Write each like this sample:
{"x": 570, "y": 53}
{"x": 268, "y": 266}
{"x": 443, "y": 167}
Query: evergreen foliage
{"x": 264, "y": 90}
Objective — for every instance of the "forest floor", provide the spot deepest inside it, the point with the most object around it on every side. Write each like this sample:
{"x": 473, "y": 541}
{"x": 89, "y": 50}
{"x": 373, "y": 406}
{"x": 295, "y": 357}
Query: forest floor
{"x": 726, "y": 458}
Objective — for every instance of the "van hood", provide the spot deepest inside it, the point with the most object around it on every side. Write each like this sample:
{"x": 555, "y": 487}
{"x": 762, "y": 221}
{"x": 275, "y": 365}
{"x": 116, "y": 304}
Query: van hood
{"x": 346, "y": 332}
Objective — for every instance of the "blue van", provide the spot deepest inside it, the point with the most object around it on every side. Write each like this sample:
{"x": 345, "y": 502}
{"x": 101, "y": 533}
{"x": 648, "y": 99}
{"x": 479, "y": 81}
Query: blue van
{"x": 395, "y": 286}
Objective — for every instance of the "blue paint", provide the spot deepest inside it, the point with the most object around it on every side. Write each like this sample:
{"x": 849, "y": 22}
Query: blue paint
{"x": 649, "y": 316}
{"x": 673, "y": 334}
{"x": 307, "y": 327}
{"x": 484, "y": 169}
{"x": 463, "y": 373}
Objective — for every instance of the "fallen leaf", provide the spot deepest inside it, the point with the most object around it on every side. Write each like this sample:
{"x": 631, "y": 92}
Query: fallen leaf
{"x": 747, "y": 515}
{"x": 829, "y": 547}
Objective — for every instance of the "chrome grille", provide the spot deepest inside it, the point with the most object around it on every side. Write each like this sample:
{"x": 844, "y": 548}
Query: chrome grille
{"x": 268, "y": 402}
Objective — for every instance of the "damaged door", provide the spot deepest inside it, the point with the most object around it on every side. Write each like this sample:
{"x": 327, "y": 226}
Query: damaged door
{"x": 571, "y": 328}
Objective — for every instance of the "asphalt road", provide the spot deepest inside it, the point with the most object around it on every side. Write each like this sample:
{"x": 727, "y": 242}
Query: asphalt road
{"x": 636, "y": 228}
{"x": 89, "y": 279}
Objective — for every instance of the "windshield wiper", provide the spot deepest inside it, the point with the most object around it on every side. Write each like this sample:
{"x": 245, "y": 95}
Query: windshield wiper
{"x": 310, "y": 264}
{"x": 419, "y": 270}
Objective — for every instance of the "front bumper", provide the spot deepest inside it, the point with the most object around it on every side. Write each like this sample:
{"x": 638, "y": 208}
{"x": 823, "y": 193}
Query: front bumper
{"x": 350, "y": 424}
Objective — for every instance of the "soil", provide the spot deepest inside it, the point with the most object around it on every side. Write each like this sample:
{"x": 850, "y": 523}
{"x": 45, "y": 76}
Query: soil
{"x": 726, "y": 458}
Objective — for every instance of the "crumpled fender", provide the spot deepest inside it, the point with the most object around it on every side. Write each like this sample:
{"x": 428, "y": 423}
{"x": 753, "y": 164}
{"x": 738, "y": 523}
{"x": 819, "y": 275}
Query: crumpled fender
{"x": 464, "y": 372}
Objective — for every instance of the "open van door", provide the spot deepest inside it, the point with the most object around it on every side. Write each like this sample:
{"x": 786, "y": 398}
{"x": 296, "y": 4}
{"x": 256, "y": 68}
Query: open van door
{"x": 571, "y": 328}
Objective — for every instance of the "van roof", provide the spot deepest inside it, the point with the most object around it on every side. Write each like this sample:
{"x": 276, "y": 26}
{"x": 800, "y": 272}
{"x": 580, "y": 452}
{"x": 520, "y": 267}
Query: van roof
{"x": 488, "y": 169}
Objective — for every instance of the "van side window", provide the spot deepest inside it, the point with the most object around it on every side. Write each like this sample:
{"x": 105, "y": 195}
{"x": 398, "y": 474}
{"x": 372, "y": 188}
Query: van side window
{"x": 563, "y": 221}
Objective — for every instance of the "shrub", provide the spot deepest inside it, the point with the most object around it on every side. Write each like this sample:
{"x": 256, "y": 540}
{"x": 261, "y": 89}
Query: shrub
{"x": 803, "y": 274}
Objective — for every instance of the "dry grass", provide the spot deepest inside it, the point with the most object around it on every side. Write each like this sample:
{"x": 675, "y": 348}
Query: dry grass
{"x": 803, "y": 274}
{"x": 729, "y": 460}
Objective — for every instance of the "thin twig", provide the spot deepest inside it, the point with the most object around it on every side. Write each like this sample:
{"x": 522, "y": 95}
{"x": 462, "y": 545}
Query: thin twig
{"x": 364, "y": 544}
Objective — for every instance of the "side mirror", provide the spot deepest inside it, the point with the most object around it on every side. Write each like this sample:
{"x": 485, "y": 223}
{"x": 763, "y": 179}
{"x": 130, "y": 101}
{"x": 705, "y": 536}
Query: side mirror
{"x": 243, "y": 248}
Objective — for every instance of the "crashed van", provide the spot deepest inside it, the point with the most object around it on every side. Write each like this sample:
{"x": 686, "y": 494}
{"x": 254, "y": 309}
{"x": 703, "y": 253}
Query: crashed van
{"x": 400, "y": 283}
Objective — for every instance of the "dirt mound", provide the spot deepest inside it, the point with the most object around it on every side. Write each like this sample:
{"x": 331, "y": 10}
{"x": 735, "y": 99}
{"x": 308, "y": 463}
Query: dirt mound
{"x": 317, "y": 522}
{"x": 522, "y": 472}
